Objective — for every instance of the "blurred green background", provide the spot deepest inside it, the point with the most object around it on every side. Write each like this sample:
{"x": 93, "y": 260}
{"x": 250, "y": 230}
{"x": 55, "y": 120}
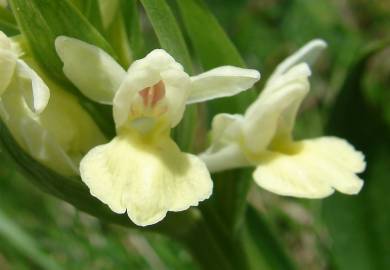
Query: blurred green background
{"x": 350, "y": 98}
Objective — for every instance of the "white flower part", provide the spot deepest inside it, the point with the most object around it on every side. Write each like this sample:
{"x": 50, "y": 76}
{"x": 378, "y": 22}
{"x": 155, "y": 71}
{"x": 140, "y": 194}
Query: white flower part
{"x": 225, "y": 129}
{"x": 42, "y": 146}
{"x": 274, "y": 112}
{"x": 59, "y": 136}
{"x": 307, "y": 54}
{"x": 93, "y": 71}
{"x": 226, "y": 158}
{"x": 313, "y": 169}
{"x": 146, "y": 180}
{"x": 221, "y": 82}
{"x": 155, "y": 86}
{"x": 39, "y": 90}
{"x": 7, "y": 62}
{"x": 12, "y": 68}
{"x": 225, "y": 151}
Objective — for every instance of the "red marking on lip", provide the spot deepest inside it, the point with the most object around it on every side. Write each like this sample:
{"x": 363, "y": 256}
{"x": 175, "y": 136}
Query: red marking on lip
{"x": 152, "y": 95}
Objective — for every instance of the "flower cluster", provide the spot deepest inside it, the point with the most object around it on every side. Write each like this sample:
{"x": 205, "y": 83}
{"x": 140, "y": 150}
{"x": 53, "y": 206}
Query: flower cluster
{"x": 141, "y": 170}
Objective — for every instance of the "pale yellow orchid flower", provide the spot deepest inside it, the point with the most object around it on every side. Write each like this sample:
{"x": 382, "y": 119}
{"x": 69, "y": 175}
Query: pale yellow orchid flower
{"x": 50, "y": 125}
{"x": 142, "y": 170}
{"x": 262, "y": 137}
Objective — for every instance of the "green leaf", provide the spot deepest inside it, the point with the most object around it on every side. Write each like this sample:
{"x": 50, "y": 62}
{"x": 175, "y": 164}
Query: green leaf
{"x": 262, "y": 245}
{"x": 205, "y": 249}
{"x": 359, "y": 225}
{"x": 7, "y": 22}
{"x": 229, "y": 198}
{"x": 24, "y": 244}
{"x": 116, "y": 34}
{"x": 90, "y": 10}
{"x": 133, "y": 27}
{"x": 210, "y": 41}
{"x": 214, "y": 48}
{"x": 42, "y": 21}
{"x": 92, "y": 13}
{"x": 168, "y": 31}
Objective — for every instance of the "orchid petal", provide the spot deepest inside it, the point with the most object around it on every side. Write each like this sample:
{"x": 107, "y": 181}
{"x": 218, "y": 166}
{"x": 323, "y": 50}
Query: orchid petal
{"x": 220, "y": 82}
{"x": 32, "y": 137}
{"x": 226, "y": 158}
{"x": 160, "y": 178}
{"x": 38, "y": 88}
{"x": 225, "y": 129}
{"x": 5, "y": 42}
{"x": 298, "y": 72}
{"x": 59, "y": 136}
{"x": 42, "y": 146}
{"x": 7, "y": 62}
{"x": 267, "y": 116}
{"x": 312, "y": 169}
{"x": 95, "y": 73}
{"x": 307, "y": 54}
{"x": 7, "y": 68}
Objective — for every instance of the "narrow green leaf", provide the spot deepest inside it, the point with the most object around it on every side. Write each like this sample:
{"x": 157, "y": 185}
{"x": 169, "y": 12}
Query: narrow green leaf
{"x": 92, "y": 13}
{"x": 42, "y": 21}
{"x": 117, "y": 36}
{"x": 133, "y": 27}
{"x": 214, "y": 48}
{"x": 262, "y": 245}
{"x": 205, "y": 249}
{"x": 90, "y": 9}
{"x": 167, "y": 30}
{"x": 7, "y": 16}
{"x": 229, "y": 198}
{"x": 210, "y": 41}
{"x": 7, "y": 22}
{"x": 25, "y": 245}
{"x": 9, "y": 29}
{"x": 359, "y": 225}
